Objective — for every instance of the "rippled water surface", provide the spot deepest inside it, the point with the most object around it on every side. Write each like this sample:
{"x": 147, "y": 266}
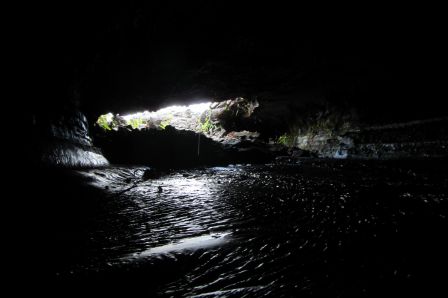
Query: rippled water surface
{"x": 316, "y": 228}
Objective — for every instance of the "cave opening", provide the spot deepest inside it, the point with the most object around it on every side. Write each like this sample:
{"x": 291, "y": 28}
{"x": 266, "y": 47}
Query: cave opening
{"x": 172, "y": 115}
{"x": 171, "y": 136}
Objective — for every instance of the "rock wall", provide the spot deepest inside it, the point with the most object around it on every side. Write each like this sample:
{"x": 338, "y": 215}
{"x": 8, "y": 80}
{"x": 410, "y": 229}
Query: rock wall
{"x": 416, "y": 139}
{"x": 325, "y": 145}
{"x": 63, "y": 140}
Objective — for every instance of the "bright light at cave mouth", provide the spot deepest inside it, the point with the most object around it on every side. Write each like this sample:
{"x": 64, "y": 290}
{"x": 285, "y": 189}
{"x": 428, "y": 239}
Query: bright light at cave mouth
{"x": 198, "y": 108}
{"x": 181, "y": 117}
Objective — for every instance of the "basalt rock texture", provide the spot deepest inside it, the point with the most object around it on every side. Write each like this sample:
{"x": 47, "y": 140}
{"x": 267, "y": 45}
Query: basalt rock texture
{"x": 415, "y": 139}
{"x": 64, "y": 141}
{"x": 320, "y": 228}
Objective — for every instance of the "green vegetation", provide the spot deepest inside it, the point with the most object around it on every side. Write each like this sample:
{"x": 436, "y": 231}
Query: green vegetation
{"x": 104, "y": 121}
{"x": 207, "y": 126}
{"x": 136, "y": 122}
{"x": 164, "y": 123}
{"x": 286, "y": 140}
{"x": 329, "y": 124}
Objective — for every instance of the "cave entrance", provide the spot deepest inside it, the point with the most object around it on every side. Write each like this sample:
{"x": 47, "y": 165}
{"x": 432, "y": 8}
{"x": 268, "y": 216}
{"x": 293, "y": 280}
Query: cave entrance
{"x": 172, "y": 135}
{"x": 213, "y": 119}
{"x": 179, "y": 117}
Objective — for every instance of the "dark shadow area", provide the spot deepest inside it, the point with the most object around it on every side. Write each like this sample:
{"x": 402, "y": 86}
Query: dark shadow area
{"x": 328, "y": 228}
{"x": 384, "y": 62}
{"x": 170, "y": 148}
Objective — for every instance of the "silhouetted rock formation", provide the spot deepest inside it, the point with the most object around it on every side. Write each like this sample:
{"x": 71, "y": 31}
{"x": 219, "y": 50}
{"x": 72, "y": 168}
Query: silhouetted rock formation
{"x": 64, "y": 141}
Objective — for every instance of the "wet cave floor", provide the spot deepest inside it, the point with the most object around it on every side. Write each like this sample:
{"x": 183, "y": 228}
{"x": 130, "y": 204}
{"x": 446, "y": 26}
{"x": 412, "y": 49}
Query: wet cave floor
{"x": 314, "y": 228}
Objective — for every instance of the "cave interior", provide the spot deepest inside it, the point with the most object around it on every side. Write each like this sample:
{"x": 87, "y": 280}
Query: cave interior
{"x": 209, "y": 149}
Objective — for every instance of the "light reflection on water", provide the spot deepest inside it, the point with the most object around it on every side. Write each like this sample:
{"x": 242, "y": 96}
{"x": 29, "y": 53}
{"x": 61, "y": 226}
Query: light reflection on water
{"x": 187, "y": 244}
{"x": 164, "y": 213}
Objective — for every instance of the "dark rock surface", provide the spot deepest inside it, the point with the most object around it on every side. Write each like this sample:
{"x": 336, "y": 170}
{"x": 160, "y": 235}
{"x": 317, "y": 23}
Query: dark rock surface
{"x": 317, "y": 228}
{"x": 63, "y": 140}
{"x": 141, "y": 56}
{"x": 416, "y": 139}
{"x": 171, "y": 148}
